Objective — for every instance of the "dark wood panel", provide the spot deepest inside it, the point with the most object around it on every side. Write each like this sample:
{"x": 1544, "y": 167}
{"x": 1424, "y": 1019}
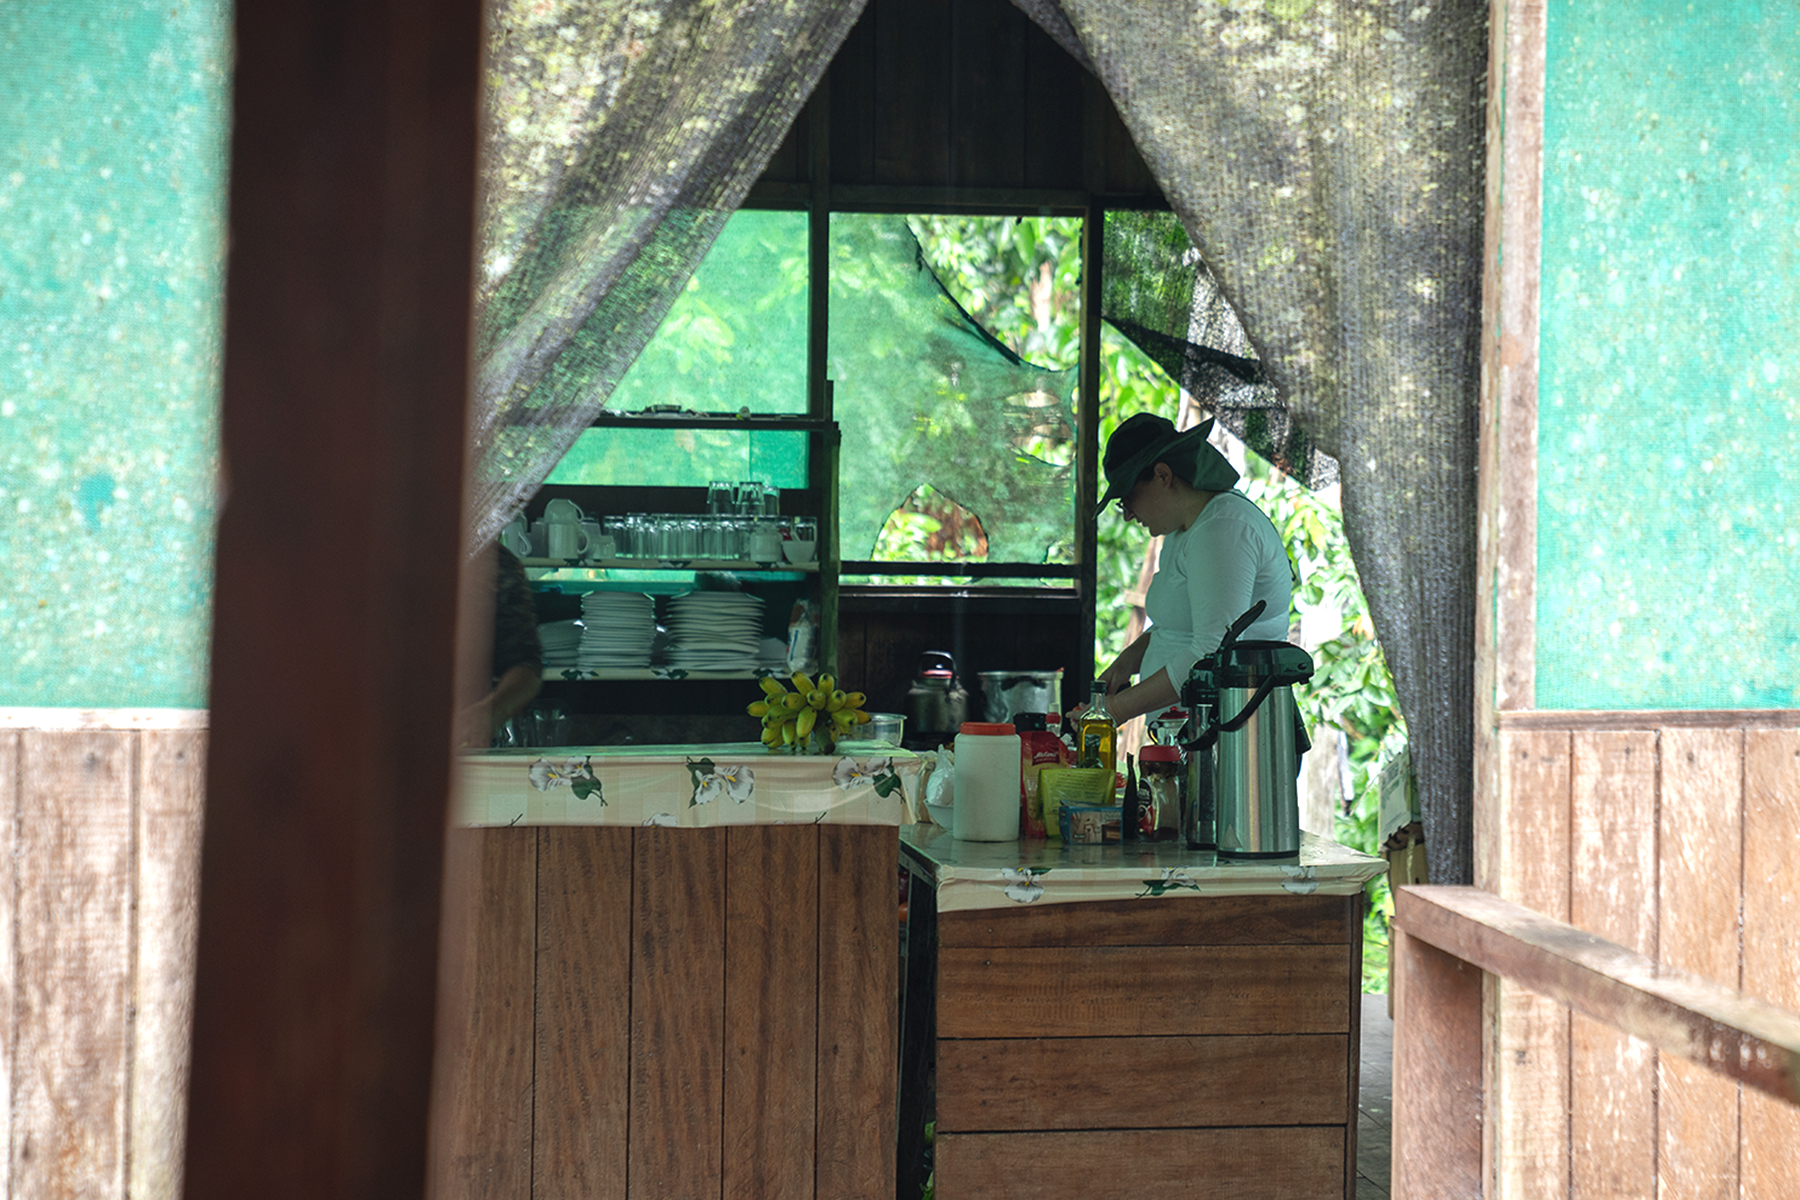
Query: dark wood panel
{"x": 676, "y": 1133}
{"x": 1141, "y": 1083}
{"x": 1437, "y": 1111}
{"x": 1219, "y": 1164}
{"x": 583, "y": 1026}
{"x": 1172, "y": 921}
{"x": 166, "y": 917}
{"x": 939, "y": 94}
{"x": 858, "y": 1010}
{"x": 482, "y": 1113}
{"x": 1125, "y": 173}
{"x": 72, "y": 928}
{"x": 852, "y": 83}
{"x": 1052, "y": 129}
{"x": 911, "y": 126}
{"x": 771, "y": 1010}
{"x": 789, "y": 162}
{"x": 1142, "y": 991}
{"x": 987, "y": 94}
{"x": 979, "y": 640}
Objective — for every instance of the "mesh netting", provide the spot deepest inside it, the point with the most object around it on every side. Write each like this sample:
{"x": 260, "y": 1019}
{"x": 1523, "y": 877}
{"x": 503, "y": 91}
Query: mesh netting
{"x": 1326, "y": 160}
{"x": 1156, "y": 290}
{"x": 621, "y": 138}
{"x": 927, "y": 397}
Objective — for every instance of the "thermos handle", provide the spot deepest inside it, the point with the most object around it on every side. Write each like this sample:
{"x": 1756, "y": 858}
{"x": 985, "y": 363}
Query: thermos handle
{"x": 1242, "y": 623}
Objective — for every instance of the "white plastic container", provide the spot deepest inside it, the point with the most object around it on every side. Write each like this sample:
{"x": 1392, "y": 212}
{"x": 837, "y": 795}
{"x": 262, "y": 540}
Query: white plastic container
{"x": 987, "y": 784}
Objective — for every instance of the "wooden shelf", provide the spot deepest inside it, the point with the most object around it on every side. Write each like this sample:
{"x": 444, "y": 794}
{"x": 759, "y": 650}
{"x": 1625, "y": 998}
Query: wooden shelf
{"x": 610, "y": 674}
{"x": 651, "y": 564}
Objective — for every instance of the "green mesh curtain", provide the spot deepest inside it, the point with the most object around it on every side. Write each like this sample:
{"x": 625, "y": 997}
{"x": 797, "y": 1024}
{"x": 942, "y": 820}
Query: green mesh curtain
{"x": 1326, "y": 161}
{"x": 1157, "y": 291}
{"x": 925, "y": 396}
{"x": 621, "y": 137}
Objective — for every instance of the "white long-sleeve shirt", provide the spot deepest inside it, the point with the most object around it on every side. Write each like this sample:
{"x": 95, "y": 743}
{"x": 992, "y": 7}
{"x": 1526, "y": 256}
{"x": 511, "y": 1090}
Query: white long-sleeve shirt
{"x": 1208, "y": 576}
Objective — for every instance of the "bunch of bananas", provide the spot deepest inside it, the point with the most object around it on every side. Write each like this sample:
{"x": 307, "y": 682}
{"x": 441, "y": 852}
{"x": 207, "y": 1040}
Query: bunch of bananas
{"x": 814, "y": 712}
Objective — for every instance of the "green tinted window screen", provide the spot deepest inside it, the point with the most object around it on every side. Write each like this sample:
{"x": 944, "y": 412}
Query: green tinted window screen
{"x": 113, "y": 122}
{"x": 736, "y": 336}
{"x": 683, "y": 457}
{"x": 952, "y": 444}
{"x": 1669, "y": 393}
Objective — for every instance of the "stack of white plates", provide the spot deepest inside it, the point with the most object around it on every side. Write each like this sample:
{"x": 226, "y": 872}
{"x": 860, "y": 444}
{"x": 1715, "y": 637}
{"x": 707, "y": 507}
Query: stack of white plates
{"x": 619, "y": 627}
{"x": 715, "y": 631}
{"x": 561, "y": 641}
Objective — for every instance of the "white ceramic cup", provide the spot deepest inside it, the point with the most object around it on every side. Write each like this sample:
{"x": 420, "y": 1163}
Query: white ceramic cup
{"x": 514, "y": 538}
{"x": 566, "y": 539}
{"x": 564, "y": 510}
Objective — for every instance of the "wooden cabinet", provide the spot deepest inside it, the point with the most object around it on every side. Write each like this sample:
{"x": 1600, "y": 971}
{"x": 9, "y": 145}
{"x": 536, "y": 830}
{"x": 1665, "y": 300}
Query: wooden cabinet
{"x": 1192, "y": 1045}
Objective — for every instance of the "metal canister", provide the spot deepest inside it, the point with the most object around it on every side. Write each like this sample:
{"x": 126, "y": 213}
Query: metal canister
{"x": 1255, "y": 772}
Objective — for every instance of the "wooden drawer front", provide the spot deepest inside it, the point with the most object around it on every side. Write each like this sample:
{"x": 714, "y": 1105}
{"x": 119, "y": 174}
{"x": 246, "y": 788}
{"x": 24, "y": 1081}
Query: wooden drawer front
{"x": 1142, "y": 1083}
{"x": 1172, "y": 921}
{"x": 1142, "y": 991}
{"x": 1219, "y": 1164}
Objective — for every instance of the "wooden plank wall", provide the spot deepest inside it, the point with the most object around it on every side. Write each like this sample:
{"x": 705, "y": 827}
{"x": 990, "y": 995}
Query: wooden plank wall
{"x": 1672, "y": 834}
{"x": 98, "y": 908}
{"x": 669, "y": 1012}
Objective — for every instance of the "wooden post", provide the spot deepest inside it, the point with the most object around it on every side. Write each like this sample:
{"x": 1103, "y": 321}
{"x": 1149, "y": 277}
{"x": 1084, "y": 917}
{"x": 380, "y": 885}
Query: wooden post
{"x": 353, "y": 165}
{"x": 1437, "y": 1073}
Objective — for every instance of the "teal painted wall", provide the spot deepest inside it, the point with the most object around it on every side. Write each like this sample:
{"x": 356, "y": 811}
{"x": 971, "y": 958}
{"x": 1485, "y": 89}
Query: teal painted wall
{"x": 1669, "y": 390}
{"x": 113, "y": 121}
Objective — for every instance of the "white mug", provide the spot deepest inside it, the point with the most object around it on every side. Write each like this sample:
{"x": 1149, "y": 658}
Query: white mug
{"x": 567, "y": 539}
{"x": 514, "y": 538}
{"x": 563, "y": 510}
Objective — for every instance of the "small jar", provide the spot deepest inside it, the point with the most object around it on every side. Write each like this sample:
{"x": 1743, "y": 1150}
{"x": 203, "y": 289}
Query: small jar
{"x": 1162, "y": 776}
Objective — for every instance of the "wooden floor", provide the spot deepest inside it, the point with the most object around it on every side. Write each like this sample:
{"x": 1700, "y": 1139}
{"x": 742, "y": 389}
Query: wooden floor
{"x": 1375, "y": 1099}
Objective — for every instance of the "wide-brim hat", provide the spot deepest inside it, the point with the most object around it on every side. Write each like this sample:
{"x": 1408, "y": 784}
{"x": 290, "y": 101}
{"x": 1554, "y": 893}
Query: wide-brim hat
{"x": 1146, "y": 439}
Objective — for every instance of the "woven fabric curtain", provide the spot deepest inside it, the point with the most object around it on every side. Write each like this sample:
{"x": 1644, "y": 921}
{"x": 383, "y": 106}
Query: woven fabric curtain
{"x": 1326, "y": 159}
{"x": 620, "y": 137}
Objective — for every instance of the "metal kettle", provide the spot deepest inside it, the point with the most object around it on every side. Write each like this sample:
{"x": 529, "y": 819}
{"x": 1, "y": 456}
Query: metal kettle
{"x": 935, "y": 703}
{"x": 1244, "y": 741}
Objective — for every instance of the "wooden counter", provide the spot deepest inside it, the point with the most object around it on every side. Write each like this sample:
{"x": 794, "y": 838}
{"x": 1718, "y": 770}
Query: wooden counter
{"x": 644, "y": 1011}
{"x": 1197, "y": 1038}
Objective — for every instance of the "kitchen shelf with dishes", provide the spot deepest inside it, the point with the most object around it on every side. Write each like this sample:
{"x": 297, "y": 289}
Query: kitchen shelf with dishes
{"x": 546, "y": 565}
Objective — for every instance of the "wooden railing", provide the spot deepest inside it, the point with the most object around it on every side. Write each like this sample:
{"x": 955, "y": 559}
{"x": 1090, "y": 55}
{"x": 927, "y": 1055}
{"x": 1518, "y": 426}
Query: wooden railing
{"x": 1446, "y": 938}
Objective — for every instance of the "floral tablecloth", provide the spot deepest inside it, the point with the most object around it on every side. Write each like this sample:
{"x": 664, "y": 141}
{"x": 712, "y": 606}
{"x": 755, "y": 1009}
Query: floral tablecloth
{"x": 974, "y": 875}
{"x": 864, "y": 783}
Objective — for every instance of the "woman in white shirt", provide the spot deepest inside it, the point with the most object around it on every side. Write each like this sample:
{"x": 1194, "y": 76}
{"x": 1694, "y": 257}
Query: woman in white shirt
{"x": 1220, "y": 555}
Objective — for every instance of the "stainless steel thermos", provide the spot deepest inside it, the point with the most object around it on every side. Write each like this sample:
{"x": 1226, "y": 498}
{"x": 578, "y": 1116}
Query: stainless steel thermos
{"x": 1244, "y": 740}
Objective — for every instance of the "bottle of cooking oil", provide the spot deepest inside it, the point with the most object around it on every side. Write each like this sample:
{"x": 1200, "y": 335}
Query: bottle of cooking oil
{"x": 1096, "y": 733}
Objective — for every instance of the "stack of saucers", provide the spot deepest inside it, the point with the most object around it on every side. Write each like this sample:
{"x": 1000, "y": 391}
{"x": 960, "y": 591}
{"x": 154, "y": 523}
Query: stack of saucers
{"x": 715, "y": 631}
{"x": 561, "y": 641}
{"x": 619, "y": 627}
